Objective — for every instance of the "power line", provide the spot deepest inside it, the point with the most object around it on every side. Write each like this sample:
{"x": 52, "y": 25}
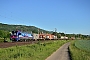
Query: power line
{"x": 6, "y": 17}
{"x": 11, "y": 17}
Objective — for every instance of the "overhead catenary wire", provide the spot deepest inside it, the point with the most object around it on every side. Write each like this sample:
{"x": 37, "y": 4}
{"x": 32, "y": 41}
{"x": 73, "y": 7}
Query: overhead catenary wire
{"x": 6, "y": 17}
{"x": 19, "y": 19}
{"x": 10, "y": 18}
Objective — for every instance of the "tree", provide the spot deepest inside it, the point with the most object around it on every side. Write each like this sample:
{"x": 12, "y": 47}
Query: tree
{"x": 62, "y": 34}
{"x": 4, "y": 34}
{"x": 54, "y": 33}
{"x": 1, "y": 33}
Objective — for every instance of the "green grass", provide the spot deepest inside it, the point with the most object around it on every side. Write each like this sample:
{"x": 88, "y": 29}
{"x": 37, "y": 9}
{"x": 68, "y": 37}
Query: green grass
{"x": 39, "y": 51}
{"x": 77, "y": 51}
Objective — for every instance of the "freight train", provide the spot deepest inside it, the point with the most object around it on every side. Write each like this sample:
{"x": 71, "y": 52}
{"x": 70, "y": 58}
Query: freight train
{"x": 22, "y": 36}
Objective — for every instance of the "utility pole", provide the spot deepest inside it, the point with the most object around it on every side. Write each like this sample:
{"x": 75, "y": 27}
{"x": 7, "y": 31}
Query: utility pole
{"x": 55, "y": 33}
{"x": 38, "y": 30}
{"x": 65, "y": 33}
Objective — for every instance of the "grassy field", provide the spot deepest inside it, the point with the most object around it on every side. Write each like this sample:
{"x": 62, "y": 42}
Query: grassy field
{"x": 39, "y": 51}
{"x": 80, "y": 50}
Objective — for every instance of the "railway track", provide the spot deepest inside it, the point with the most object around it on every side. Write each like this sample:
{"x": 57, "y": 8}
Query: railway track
{"x": 10, "y": 44}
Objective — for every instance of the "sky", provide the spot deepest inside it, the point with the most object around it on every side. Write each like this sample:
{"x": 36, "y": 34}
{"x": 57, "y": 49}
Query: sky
{"x": 68, "y": 16}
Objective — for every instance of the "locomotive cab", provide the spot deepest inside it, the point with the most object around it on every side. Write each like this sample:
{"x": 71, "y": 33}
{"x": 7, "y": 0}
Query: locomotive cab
{"x": 15, "y": 35}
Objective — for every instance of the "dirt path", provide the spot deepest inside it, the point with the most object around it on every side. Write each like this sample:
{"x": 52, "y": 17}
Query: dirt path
{"x": 61, "y": 54}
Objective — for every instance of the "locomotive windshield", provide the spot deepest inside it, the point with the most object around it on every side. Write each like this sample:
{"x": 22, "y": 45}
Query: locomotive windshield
{"x": 14, "y": 33}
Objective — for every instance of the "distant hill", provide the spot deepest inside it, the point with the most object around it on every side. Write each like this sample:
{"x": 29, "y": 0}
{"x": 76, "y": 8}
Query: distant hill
{"x": 6, "y": 28}
{"x": 23, "y": 28}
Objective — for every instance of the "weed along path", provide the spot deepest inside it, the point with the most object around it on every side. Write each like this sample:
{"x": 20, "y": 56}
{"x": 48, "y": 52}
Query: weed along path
{"x": 61, "y": 54}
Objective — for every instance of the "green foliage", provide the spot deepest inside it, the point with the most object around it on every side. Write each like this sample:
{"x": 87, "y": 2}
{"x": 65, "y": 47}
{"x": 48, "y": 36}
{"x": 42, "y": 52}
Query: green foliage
{"x": 28, "y": 29}
{"x": 78, "y": 53}
{"x": 4, "y": 34}
{"x": 1, "y": 39}
{"x": 57, "y": 34}
{"x": 39, "y": 51}
{"x": 6, "y": 39}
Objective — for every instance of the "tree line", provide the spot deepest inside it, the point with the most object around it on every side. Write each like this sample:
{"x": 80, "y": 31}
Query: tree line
{"x": 77, "y": 36}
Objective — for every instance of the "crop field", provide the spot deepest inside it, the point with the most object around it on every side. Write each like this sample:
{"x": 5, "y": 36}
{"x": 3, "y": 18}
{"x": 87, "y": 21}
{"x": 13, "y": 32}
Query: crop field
{"x": 39, "y": 51}
{"x": 80, "y": 50}
{"x": 83, "y": 45}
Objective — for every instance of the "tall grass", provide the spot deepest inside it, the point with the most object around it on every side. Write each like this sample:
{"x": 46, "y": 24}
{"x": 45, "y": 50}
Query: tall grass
{"x": 39, "y": 51}
{"x": 78, "y": 54}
